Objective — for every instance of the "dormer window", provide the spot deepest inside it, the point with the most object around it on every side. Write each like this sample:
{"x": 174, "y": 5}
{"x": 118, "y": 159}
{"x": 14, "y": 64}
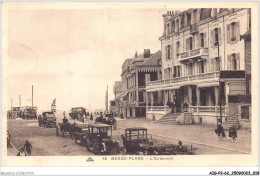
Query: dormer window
{"x": 173, "y": 26}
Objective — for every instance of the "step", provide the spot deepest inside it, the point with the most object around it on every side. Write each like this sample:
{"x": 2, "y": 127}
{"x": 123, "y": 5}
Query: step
{"x": 164, "y": 121}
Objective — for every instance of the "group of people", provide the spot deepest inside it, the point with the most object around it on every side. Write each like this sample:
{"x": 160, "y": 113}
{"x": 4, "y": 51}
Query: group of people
{"x": 221, "y": 132}
{"x": 83, "y": 119}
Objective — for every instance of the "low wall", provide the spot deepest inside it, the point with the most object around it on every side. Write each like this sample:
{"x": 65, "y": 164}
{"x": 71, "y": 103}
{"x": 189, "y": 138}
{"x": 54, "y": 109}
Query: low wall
{"x": 154, "y": 116}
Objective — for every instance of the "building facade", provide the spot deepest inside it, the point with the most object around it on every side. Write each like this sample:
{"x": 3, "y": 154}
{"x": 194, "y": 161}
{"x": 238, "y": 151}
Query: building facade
{"x": 206, "y": 63}
{"x": 136, "y": 72}
{"x": 115, "y": 104}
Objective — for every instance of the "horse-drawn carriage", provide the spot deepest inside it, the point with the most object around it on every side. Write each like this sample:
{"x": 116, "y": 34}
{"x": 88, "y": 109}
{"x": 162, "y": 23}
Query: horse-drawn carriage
{"x": 109, "y": 119}
{"x": 64, "y": 129}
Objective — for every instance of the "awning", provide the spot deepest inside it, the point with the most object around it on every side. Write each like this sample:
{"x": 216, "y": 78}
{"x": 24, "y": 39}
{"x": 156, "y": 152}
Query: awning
{"x": 213, "y": 84}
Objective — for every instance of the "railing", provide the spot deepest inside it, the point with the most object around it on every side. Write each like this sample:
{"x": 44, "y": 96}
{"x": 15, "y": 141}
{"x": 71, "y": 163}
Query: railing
{"x": 162, "y": 109}
{"x": 208, "y": 109}
{"x": 184, "y": 79}
{"x": 194, "y": 53}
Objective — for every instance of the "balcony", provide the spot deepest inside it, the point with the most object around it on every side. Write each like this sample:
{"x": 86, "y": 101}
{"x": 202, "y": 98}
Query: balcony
{"x": 175, "y": 83}
{"x": 194, "y": 29}
{"x": 200, "y": 52}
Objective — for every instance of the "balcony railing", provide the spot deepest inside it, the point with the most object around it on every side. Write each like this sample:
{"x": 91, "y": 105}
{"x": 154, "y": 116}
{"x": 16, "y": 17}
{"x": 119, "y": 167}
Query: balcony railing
{"x": 185, "y": 79}
{"x": 157, "y": 109}
{"x": 194, "y": 53}
{"x": 208, "y": 110}
{"x": 194, "y": 28}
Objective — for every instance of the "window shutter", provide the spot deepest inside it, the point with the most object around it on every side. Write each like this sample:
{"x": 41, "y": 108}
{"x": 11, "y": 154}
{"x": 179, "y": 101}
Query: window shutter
{"x": 219, "y": 36}
{"x": 229, "y": 62}
{"x": 198, "y": 44}
{"x": 228, "y": 33}
{"x": 238, "y": 61}
{"x": 238, "y": 31}
{"x": 205, "y": 39}
{"x": 166, "y": 52}
{"x": 212, "y": 38}
{"x": 174, "y": 71}
{"x": 220, "y": 63}
{"x": 193, "y": 42}
{"x": 212, "y": 64}
{"x": 187, "y": 45}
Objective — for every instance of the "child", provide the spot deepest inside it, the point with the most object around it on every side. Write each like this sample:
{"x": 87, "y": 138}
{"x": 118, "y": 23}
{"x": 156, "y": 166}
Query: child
{"x": 220, "y": 131}
{"x": 233, "y": 133}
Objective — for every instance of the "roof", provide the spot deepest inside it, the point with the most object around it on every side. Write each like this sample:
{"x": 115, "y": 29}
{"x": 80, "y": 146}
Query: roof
{"x": 135, "y": 129}
{"x": 205, "y": 13}
{"x": 99, "y": 125}
{"x": 247, "y": 34}
{"x": 153, "y": 60}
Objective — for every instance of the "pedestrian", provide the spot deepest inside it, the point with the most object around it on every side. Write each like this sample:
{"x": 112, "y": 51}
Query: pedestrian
{"x": 121, "y": 115}
{"x": 233, "y": 134}
{"x": 180, "y": 147}
{"x": 8, "y": 140}
{"x": 63, "y": 113}
{"x": 91, "y": 116}
{"x": 21, "y": 152}
{"x": 220, "y": 131}
{"x": 28, "y": 148}
{"x": 65, "y": 120}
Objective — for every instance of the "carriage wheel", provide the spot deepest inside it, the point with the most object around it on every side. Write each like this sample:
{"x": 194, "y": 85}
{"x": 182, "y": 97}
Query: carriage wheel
{"x": 114, "y": 125}
{"x": 96, "y": 148}
{"x": 57, "y": 131}
{"x": 87, "y": 145}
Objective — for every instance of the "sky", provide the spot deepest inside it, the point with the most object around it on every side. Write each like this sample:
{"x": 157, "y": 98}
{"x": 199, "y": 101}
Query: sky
{"x": 72, "y": 55}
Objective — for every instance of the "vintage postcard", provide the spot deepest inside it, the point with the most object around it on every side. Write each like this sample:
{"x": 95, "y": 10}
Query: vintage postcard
{"x": 129, "y": 84}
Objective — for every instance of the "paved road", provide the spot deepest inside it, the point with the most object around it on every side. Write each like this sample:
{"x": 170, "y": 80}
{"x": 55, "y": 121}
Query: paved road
{"x": 202, "y": 137}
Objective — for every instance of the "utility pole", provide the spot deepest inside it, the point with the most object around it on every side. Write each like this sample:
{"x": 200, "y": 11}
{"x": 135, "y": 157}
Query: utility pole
{"x": 32, "y": 96}
{"x": 11, "y": 103}
{"x": 20, "y": 101}
{"x": 220, "y": 88}
{"x": 107, "y": 99}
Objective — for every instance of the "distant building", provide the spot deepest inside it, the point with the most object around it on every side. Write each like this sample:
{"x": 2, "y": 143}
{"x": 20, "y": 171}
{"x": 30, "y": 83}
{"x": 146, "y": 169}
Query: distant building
{"x": 136, "y": 72}
{"x": 115, "y": 104}
{"x": 206, "y": 62}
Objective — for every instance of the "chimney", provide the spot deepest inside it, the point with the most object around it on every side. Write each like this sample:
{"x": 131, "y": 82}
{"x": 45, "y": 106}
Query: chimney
{"x": 146, "y": 53}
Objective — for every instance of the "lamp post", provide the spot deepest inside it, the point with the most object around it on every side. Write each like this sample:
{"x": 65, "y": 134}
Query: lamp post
{"x": 220, "y": 88}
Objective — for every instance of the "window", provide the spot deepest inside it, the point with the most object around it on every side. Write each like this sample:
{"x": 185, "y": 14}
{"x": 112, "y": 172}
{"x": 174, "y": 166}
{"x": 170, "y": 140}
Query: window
{"x": 234, "y": 61}
{"x": 216, "y": 37}
{"x": 177, "y": 26}
{"x": 190, "y": 69}
{"x": 173, "y": 26}
{"x": 189, "y": 43}
{"x": 177, "y": 71}
{"x": 233, "y": 31}
{"x": 194, "y": 16}
{"x": 245, "y": 112}
{"x": 202, "y": 66}
{"x": 177, "y": 48}
{"x": 202, "y": 40}
{"x": 217, "y": 64}
{"x": 168, "y": 52}
{"x": 168, "y": 29}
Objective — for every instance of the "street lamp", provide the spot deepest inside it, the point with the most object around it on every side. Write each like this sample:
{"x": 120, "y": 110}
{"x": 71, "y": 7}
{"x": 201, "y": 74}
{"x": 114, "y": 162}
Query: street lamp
{"x": 220, "y": 87}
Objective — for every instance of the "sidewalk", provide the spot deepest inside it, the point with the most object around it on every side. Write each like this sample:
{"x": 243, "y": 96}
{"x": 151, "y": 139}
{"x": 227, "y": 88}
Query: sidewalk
{"x": 197, "y": 134}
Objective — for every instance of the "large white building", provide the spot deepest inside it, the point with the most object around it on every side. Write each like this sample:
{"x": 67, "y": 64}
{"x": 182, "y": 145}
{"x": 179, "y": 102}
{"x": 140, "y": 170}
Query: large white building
{"x": 204, "y": 50}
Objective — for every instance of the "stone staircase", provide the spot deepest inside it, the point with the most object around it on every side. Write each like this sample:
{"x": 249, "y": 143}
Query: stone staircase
{"x": 168, "y": 118}
{"x": 230, "y": 122}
